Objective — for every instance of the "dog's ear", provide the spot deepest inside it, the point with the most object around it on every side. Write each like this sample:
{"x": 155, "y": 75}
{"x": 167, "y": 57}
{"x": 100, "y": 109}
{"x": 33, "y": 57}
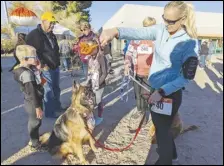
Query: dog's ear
{"x": 75, "y": 86}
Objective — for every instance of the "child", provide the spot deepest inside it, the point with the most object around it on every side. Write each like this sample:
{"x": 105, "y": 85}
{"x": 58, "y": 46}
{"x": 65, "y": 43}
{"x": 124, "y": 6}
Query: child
{"x": 211, "y": 51}
{"x": 203, "y": 54}
{"x": 27, "y": 74}
{"x": 97, "y": 73}
{"x": 126, "y": 44}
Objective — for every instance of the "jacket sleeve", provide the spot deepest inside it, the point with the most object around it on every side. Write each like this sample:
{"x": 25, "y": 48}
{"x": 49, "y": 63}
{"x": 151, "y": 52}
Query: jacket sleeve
{"x": 55, "y": 42}
{"x": 34, "y": 40}
{"x": 173, "y": 86}
{"x": 30, "y": 88}
{"x": 103, "y": 69}
{"x": 146, "y": 33}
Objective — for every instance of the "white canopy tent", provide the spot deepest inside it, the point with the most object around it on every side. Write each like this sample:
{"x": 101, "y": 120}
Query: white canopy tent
{"x": 58, "y": 30}
{"x": 24, "y": 29}
{"x": 130, "y": 15}
{"x": 209, "y": 25}
{"x": 61, "y": 30}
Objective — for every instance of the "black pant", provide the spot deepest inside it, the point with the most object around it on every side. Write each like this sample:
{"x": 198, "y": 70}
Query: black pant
{"x": 141, "y": 104}
{"x": 166, "y": 145}
{"x": 33, "y": 122}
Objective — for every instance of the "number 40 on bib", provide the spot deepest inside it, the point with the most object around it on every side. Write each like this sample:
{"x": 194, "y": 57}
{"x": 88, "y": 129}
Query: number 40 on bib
{"x": 163, "y": 107}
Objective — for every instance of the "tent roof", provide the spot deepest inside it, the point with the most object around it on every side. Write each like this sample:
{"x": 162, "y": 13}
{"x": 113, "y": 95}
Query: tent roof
{"x": 58, "y": 30}
{"x": 131, "y": 15}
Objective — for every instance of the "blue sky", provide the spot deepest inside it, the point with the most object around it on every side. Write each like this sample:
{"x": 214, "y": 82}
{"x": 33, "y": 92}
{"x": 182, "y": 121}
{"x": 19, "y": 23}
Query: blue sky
{"x": 101, "y": 11}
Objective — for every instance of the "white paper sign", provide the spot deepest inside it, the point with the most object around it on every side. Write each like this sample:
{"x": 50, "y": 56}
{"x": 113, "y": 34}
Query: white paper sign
{"x": 163, "y": 107}
{"x": 144, "y": 49}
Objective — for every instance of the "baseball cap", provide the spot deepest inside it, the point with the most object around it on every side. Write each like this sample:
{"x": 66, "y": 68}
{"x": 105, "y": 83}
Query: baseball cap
{"x": 48, "y": 16}
{"x": 23, "y": 51}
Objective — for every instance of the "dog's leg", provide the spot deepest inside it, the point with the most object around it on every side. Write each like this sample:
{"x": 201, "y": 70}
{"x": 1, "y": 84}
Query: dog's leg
{"x": 79, "y": 152}
{"x": 92, "y": 144}
{"x": 66, "y": 151}
{"x": 152, "y": 130}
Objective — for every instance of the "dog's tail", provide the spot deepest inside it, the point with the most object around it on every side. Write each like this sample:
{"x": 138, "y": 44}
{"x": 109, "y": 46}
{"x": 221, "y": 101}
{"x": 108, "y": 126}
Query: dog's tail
{"x": 44, "y": 139}
{"x": 189, "y": 128}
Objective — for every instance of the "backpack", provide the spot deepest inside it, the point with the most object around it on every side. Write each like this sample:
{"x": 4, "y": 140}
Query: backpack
{"x": 17, "y": 74}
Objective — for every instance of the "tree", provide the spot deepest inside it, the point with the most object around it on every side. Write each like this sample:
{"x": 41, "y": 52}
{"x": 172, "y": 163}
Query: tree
{"x": 74, "y": 7}
{"x": 73, "y": 11}
{"x": 8, "y": 44}
{"x": 68, "y": 13}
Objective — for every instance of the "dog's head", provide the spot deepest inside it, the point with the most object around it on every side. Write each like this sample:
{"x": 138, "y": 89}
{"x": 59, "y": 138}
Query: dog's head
{"x": 83, "y": 95}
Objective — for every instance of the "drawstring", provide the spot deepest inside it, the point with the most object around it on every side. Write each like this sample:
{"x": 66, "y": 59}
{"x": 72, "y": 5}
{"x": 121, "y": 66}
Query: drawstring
{"x": 124, "y": 86}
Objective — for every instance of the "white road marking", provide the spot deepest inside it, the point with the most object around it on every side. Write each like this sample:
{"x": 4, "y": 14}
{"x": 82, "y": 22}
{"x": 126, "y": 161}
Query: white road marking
{"x": 64, "y": 91}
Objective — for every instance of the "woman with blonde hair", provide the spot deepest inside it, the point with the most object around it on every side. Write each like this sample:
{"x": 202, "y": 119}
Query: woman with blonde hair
{"x": 173, "y": 66}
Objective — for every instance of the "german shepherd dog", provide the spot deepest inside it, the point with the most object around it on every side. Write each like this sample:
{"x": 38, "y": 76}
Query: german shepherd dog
{"x": 70, "y": 129}
{"x": 177, "y": 128}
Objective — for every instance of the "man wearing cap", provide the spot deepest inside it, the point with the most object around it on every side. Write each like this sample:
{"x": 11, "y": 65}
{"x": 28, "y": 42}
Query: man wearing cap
{"x": 43, "y": 39}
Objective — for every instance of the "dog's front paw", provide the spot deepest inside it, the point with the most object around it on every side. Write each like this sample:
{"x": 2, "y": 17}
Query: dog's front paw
{"x": 96, "y": 150}
{"x": 85, "y": 162}
{"x": 69, "y": 159}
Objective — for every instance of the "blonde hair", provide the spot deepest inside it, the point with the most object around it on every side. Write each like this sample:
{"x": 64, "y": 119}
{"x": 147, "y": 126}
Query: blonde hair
{"x": 85, "y": 24}
{"x": 186, "y": 10}
{"x": 148, "y": 21}
{"x": 23, "y": 51}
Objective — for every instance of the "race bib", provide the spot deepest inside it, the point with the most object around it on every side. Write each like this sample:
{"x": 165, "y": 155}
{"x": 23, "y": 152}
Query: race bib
{"x": 163, "y": 107}
{"x": 144, "y": 49}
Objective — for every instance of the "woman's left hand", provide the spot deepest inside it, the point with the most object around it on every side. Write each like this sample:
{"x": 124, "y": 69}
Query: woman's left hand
{"x": 155, "y": 97}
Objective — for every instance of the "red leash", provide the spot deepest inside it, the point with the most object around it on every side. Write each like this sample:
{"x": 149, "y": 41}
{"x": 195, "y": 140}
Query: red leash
{"x": 122, "y": 149}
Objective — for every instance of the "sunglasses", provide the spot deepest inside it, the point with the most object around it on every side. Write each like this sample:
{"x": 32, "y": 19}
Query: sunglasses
{"x": 82, "y": 30}
{"x": 170, "y": 22}
{"x": 27, "y": 57}
{"x": 52, "y": 23}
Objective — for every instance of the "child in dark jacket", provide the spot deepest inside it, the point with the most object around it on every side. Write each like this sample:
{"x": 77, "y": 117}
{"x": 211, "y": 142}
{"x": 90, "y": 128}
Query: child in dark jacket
{"x": 27, "y": 74}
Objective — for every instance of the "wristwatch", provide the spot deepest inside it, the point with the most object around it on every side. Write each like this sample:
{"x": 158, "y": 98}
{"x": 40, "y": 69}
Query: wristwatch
{"x": 161, "y": 92}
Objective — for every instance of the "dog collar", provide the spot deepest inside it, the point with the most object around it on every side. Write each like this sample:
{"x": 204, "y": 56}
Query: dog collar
{"x": 82, "y": 115}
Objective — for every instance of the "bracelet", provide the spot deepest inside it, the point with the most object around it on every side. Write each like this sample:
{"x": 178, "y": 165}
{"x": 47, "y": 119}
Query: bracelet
{"x": 161, "y": 92}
